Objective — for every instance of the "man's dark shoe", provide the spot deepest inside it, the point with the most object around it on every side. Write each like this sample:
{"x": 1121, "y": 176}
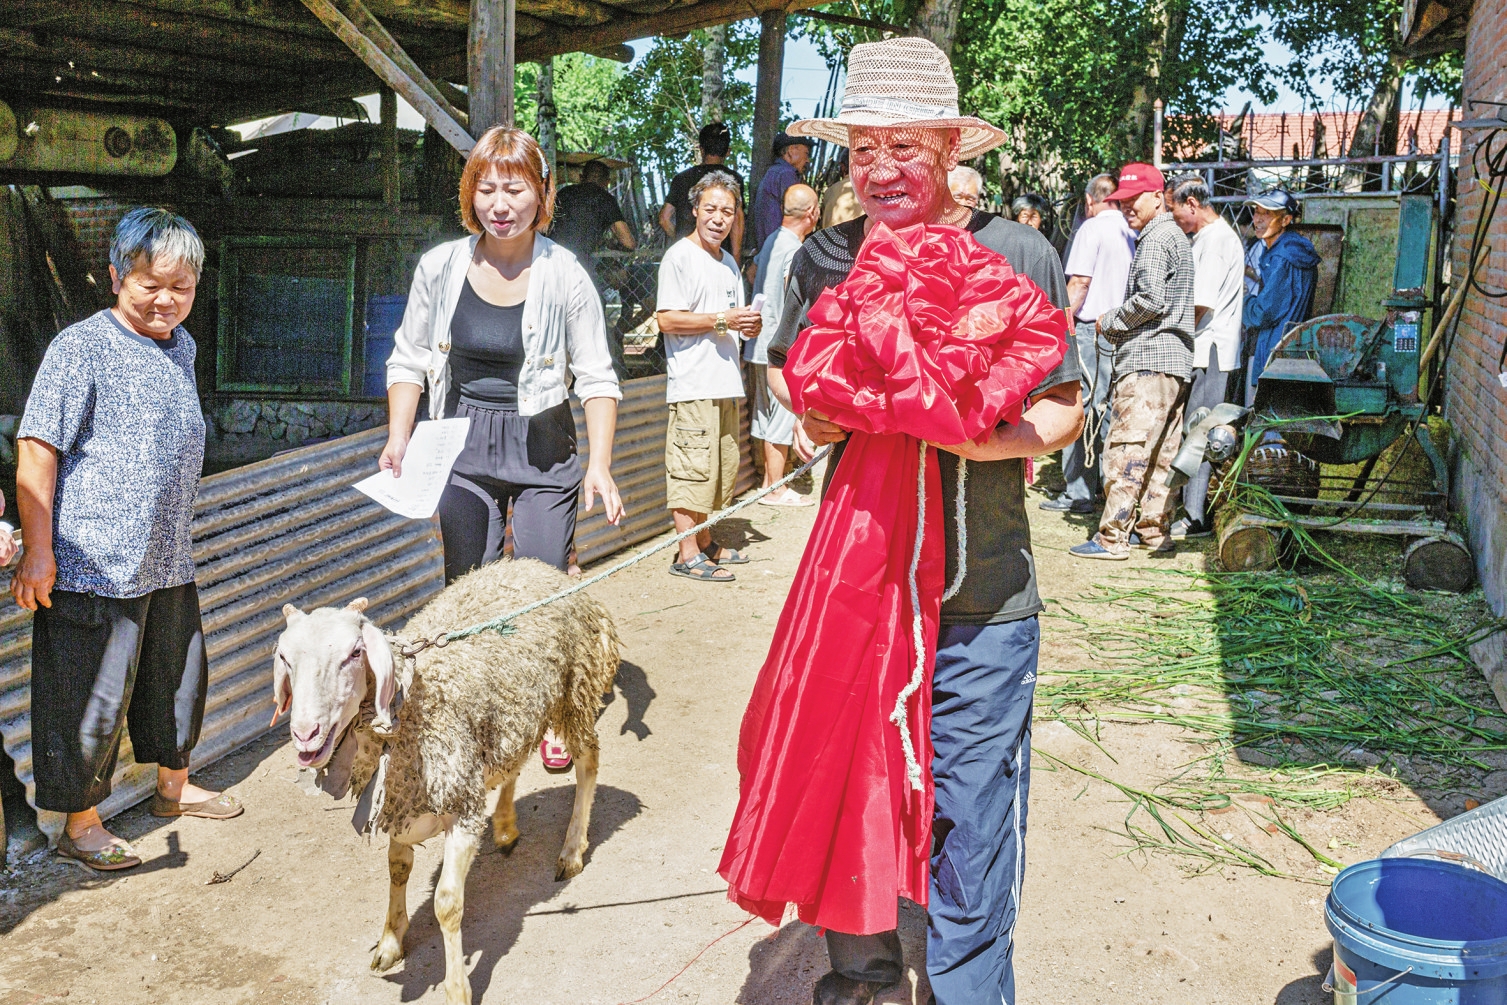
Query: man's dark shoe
{"x": 835, "y": 989}
{"x": 1186, "y": 528}
{"x": 1062, "y": 504}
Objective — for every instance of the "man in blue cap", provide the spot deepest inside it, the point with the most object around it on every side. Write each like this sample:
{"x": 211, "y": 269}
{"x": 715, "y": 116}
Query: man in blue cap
{"x": 1289, "y": 270}
{"x": 791, "y": 156}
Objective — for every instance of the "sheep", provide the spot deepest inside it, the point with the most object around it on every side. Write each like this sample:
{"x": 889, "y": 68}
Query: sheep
{"x": 470, "y": 715}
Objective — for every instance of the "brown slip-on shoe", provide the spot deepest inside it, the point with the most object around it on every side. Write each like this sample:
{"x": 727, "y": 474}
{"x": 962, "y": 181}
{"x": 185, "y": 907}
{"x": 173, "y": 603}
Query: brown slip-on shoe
{"x": 114, "y": 858}
{"x": 220, "y": 807}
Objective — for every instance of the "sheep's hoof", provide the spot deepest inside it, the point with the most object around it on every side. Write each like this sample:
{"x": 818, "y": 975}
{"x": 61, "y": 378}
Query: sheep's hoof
{"x": 388, "y": 955}
{"x": 567, "y": 868}
{"x": 506, "y": 847}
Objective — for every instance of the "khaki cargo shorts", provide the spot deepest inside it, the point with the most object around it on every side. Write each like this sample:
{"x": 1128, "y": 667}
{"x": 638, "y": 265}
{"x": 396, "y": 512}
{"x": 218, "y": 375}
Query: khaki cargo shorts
{"x": 701, "y": 454}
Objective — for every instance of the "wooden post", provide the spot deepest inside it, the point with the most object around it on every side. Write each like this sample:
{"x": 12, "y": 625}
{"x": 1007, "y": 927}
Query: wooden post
{"x": 491, "y": 47}
{"x": 767, "y": 96}
{"x": 392, "y": 174}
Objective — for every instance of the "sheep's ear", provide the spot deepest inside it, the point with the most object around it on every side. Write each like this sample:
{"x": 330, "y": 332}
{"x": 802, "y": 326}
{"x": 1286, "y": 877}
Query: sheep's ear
{"x": 357, "y": 605}
{"x": 282, "y": 689}
{"x": 379, "y": 658}
{"x": 289, "y": 611}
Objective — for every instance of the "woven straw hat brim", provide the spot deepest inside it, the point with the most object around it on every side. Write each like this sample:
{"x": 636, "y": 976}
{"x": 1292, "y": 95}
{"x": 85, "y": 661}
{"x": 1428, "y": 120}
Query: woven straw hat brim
{"x": 977, "y": 136}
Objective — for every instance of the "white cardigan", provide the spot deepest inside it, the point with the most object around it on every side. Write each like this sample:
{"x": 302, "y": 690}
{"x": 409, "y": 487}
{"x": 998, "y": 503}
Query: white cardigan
{"x": 562, "y": 326}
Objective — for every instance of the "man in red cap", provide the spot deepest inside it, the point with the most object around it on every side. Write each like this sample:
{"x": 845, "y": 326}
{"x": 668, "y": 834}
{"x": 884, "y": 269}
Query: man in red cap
{"x": 1152, "y": 332}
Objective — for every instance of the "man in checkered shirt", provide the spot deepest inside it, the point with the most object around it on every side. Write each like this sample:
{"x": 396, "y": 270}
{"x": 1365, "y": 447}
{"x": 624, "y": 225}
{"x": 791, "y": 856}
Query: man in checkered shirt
{"x": 1152, "y": 332}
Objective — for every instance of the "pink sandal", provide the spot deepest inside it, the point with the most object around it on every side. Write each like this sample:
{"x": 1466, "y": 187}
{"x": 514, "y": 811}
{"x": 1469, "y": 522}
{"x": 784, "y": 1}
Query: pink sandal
{"x": 554, "y": 755}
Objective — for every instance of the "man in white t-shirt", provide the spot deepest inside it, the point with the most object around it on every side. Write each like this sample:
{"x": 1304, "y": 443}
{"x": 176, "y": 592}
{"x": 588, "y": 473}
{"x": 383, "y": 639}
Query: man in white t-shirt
{"x": 1218, "y": 298}
{"x": 701, "y": 314}
{"x": 1098, "y": 265}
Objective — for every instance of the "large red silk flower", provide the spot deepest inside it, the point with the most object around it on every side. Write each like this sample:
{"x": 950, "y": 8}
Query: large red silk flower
{"x": 931, "y": 337}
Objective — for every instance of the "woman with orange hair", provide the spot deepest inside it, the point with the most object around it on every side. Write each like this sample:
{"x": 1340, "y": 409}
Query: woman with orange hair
{"x": 497, "y": 326}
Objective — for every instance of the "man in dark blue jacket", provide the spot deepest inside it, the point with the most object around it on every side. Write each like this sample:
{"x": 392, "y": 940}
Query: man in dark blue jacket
{"x": 1289, "y": 269}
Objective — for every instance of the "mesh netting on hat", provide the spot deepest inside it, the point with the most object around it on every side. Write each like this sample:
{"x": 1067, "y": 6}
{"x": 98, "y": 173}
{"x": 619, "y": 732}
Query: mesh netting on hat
{"x": 901, "y": 81}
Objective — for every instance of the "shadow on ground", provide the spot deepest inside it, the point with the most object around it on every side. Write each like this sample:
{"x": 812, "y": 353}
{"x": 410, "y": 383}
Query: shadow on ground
{"x": 634, "y": 684}
{"x": 503, "y": 889}
{"x": 1309, "y": 990}
{"x": 44, "y": 878}
{"x": 783, "y": 967}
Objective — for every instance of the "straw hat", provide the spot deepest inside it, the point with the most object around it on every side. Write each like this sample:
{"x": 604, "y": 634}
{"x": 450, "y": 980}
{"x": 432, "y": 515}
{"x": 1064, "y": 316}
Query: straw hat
{"x": 901, "y": 82}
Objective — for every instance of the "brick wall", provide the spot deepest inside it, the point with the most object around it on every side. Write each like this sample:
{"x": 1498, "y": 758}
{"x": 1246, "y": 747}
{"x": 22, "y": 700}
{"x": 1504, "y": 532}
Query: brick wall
{"x": 1476, "y": 402}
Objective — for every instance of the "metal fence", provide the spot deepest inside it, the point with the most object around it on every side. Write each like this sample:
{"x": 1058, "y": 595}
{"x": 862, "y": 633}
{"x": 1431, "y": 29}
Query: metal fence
{"x": 289, "y": 529}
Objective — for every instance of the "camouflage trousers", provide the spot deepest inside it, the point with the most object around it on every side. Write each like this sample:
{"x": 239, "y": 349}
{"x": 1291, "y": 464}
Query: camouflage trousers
{"x": 1144, "y": 435}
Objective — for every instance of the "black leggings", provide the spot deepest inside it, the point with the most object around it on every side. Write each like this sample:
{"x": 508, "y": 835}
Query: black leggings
{"x": 474, "y": 515}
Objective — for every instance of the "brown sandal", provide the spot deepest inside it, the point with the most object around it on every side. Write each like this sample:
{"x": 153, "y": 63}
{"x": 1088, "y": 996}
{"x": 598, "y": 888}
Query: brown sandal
{"x": 223, "y": 806}
{"x": 113, "y": 858}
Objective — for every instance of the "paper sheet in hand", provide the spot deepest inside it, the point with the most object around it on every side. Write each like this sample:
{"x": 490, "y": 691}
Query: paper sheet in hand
{"x": 426, "y": 468}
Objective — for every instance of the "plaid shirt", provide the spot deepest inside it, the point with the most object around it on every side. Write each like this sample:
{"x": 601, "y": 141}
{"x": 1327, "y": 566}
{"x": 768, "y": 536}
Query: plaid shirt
{"x": 1153, "y": 328}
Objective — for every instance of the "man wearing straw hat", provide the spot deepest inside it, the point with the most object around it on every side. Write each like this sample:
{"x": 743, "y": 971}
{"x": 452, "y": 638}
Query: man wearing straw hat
{"x": 900, "y": 121}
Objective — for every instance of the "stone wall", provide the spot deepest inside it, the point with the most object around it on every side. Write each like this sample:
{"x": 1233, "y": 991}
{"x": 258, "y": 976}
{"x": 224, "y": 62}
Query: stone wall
{"x": 242, "y": 430}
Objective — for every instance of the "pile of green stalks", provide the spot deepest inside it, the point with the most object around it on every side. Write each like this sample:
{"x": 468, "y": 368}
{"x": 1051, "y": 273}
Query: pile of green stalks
{"x": 1318, "y": 680}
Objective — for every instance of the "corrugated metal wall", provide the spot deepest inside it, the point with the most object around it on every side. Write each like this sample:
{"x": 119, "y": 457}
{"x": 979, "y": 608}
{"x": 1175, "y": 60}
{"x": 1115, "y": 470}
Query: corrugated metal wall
{"x": 290, "y": 529}
{"x": 638, "y": 467}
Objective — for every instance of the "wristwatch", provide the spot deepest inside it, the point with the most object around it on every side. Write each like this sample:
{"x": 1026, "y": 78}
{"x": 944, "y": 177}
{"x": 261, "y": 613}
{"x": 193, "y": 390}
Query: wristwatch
{"x": 720, "y": 324}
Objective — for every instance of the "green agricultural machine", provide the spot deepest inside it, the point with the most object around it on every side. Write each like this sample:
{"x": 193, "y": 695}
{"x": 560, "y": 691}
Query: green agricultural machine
{"x": 1340, "y": 400}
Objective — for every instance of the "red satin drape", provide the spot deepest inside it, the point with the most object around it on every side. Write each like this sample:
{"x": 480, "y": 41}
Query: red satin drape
{"x": 932, "y": 337}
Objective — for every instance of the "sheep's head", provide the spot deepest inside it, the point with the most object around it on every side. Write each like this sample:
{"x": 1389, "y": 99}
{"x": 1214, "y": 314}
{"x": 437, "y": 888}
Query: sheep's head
{"x": 320, "y": 671}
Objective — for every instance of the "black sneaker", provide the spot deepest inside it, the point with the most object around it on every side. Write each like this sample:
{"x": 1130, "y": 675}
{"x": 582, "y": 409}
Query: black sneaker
{"x": 1062, "y": 504}
{"x": 1185, "y": 528}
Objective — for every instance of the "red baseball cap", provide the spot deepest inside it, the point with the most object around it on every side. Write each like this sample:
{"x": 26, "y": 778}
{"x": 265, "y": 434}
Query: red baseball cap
{"x": 1135, "y": 179}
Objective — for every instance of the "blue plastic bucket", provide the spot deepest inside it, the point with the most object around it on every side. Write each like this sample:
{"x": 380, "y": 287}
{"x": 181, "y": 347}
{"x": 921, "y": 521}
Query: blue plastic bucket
{"x": 383, "y": 316}
{"x": 1417, "y": 932}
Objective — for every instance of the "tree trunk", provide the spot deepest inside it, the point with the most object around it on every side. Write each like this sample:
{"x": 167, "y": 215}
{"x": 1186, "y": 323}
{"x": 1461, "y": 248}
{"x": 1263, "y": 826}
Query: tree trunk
{"x": 1169, "y": 22}
{"x": 1376, "y": 132}
{"x": 548, "y": 135}
{"x": 713, "y": 58}
{"x": 937, "y": 20}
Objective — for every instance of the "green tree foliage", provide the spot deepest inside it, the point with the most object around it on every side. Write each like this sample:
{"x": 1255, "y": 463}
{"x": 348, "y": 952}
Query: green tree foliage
{"x": 658, "y": 101}
{"x": 583, "y": 89}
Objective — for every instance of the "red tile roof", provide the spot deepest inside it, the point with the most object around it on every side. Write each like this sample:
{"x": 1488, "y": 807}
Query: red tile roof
{"x": 1271, "y": 135}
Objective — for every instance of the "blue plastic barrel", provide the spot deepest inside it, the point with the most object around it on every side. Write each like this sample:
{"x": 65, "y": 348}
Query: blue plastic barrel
{"x": 383, "y": 316}
{"x": 1418, "y": 932}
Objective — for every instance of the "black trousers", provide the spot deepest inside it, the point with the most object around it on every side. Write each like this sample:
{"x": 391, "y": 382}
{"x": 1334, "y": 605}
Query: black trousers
{"x": 100, "y": 665}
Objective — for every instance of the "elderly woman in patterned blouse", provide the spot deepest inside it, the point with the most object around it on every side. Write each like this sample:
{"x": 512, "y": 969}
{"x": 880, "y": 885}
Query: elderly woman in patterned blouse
{"x": 108, "y": 459}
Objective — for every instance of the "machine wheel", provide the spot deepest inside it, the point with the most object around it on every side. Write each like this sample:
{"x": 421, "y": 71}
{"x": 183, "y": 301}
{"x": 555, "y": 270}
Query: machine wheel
{"x": 1244, "y": 547}
{"x": 1438, "y": 563}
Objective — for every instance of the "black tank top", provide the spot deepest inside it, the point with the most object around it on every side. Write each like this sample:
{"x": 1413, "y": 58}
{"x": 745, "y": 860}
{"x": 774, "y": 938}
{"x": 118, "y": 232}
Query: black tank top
{"x": 486, "y": 352}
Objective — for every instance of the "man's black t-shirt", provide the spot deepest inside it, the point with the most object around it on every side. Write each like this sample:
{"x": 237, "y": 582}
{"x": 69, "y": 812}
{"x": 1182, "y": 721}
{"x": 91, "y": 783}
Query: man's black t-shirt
{"x": 680, "y": 197}
{"x": 582, "y": 215}
{"x": 1000, "y": 584}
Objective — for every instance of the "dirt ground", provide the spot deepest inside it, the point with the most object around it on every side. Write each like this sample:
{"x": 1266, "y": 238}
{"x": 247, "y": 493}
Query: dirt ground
{"x": 297, "y": 923}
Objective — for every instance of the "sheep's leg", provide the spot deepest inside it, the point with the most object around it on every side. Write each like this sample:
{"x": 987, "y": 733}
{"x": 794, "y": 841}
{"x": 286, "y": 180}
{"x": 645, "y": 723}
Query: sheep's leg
{"x": 461, "y": 844}
{"x": 505, "y": 817}
{"x": 390, "y": 946}
{"x": 573, "y": 853}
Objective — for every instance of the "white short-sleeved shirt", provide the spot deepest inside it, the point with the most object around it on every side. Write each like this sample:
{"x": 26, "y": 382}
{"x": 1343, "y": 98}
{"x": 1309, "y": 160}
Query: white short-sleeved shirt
{"x": 1102, "y": 250}
{"x": 700, "y": 366}
{"x": 1219, "y": 285}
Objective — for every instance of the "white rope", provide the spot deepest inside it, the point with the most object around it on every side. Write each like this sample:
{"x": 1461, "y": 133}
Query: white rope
{"x": 901, "y": 715}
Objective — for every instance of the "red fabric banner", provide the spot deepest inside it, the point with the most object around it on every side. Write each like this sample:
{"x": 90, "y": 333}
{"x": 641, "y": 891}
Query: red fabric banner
{"x": 931, "y": 337}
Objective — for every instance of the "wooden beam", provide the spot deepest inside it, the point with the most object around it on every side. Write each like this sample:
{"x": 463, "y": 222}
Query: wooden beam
{"x": 856, "y": 22}
{"x": 672, "y": 22}
{"x": 391, "y": 74}
{"x": 89, "y": 54}
{"x": 491, "y": 51}
{"x": 767, "y": 95}
{"x": 127, "y": 25}
{"x": 369, "y": 26}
